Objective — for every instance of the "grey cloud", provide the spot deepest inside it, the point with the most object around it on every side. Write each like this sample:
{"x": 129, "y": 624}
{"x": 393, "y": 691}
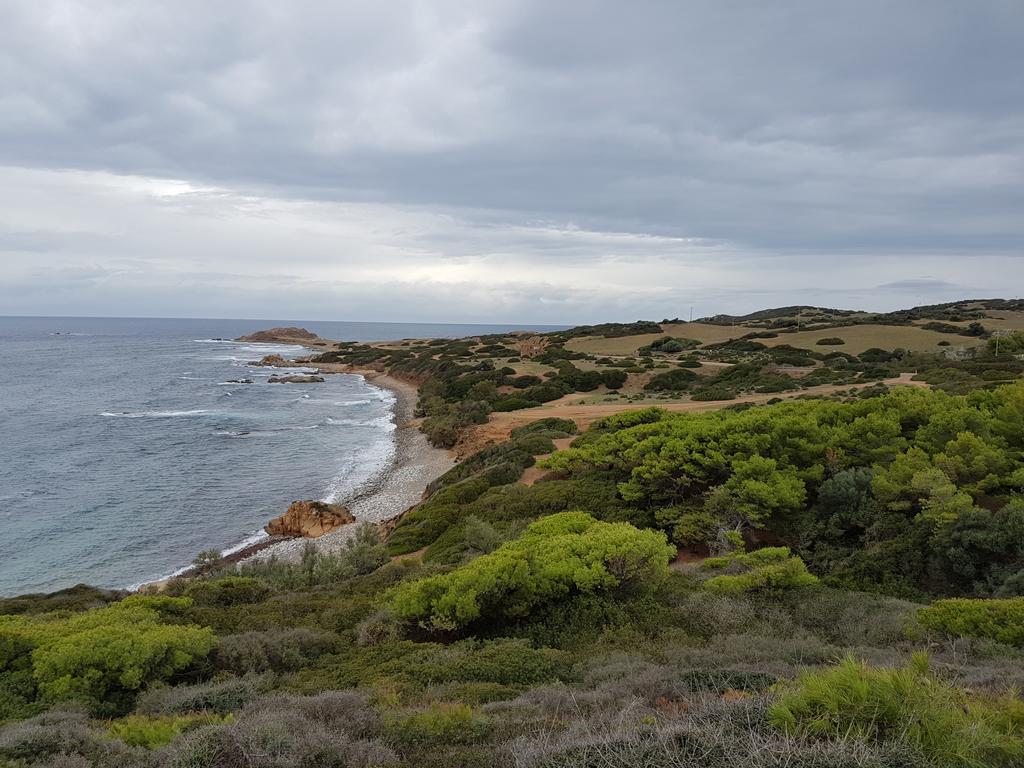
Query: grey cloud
{"x": 794, "y": 133}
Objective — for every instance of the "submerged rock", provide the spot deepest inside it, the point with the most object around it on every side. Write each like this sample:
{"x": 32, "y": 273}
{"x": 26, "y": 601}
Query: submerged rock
{"x": 310, "y": 379}
{"x": 310, "y": 519}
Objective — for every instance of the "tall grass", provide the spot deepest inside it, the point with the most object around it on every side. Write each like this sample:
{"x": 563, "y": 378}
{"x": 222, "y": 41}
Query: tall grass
{"x": 948, "y": 725}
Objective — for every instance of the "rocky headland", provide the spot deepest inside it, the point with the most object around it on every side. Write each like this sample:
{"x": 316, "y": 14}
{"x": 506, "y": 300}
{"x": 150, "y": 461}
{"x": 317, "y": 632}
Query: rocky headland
{"x": 288, "y": 335}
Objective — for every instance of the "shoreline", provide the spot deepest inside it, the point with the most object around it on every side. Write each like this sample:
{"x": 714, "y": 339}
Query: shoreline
{"x": 398, "y": 486}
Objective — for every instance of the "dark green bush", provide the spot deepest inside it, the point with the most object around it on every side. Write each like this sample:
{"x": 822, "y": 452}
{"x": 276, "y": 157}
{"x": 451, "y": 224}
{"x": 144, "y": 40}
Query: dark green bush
{"x": 522, "y": 382}
{"x": 547, "y": 426}
{"x": 614, "y": 379}
{"x": 713, "y": 393}
{"x": 544, "y": 393}
{"x": 674, "y": 380}
{"x": 514, "y": 404}
{"x": 227, "y": 591}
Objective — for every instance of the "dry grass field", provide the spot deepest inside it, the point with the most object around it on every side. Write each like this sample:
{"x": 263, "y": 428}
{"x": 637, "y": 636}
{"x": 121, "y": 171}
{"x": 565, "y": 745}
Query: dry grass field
{"x": 994, "y": 320}
{"x": 861, "y": 337}
{"x": 1004, "y": 321}
{"x": 628, "y": 345}
{"x": 857, "y": 337}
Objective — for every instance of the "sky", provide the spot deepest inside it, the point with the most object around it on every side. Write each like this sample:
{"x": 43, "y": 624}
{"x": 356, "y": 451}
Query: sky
{"x": 507, "y": 161}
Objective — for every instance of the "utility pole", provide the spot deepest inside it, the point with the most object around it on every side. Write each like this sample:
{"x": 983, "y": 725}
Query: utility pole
{"x": 998, "y": 335}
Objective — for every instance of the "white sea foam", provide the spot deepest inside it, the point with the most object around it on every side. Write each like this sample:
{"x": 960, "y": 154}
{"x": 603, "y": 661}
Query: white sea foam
{"x": 248, "y": 541}
{"x": 272, "y": 370}
{"x": 381, "y": 422}
{"x": 355, "y": 475}
{"x": 152, "y": 414}
{"x": 233, "y": 433}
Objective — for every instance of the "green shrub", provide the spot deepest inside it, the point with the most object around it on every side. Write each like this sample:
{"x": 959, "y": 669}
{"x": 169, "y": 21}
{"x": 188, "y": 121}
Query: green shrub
{"x": 673, "y": 380}
{"x": 544, "y": 393}
{"x": 102, "y": 657}
{"x": 442, "y": 723}
{"x": 227, "y": 591}
{"x": 713, "y": 393}
{"x": 830, "y": 341}
{"x": 534, "y": 445}
{"x": 556, "y": 556}
{"x": 771, "y": 568}
{"x": 548, "y": 427}
{"x": 614, "y": 379}
{"x": 522, "y": 382}
{"x": 480, "y": 536}
{"x": 669, "y": 345}
{"x": 362, "y": 553}
{"x": 951, "y": 727}
{"x": 999, "y": 620}
{"x": 694, "y": 529}
{"x": 876, "y": 355}
{"x": 153, "y": 732}
{"x": 514, "y": 404}
{"x": 1012, "y": 344}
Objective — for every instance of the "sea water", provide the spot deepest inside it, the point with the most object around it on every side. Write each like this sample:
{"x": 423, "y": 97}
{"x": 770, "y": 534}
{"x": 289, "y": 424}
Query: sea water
{"x": 127, "y": 446}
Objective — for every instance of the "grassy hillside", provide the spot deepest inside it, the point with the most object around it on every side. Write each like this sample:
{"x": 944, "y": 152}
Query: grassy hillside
{"x": 467, "y": 383}
{"x": 835, "y": 578}
{"x": 856, "y": 338}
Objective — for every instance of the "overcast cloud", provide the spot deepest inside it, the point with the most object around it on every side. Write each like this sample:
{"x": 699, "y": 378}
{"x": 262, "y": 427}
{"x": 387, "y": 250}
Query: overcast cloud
{"x": 507, "y": 161}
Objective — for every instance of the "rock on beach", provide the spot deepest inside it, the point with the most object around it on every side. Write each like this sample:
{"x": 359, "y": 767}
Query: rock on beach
{"x": 309, "y": 519}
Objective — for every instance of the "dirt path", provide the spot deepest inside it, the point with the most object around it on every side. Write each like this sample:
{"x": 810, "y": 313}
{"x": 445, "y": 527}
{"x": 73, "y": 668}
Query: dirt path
{"x": 500, "y": 425}
{"x": 532, "y": 474}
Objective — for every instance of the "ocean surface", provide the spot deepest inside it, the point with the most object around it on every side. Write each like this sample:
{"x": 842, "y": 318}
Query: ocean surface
{"x": 125, "y": 449}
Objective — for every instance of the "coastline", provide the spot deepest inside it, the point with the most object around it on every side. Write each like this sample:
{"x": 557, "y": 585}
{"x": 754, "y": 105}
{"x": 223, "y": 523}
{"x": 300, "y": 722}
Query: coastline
{"x": 398, "y": 486}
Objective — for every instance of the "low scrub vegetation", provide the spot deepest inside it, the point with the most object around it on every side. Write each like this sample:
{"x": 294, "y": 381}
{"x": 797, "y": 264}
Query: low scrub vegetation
{"x": 947, "y": 726}
{"x": 753, "y": 586}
